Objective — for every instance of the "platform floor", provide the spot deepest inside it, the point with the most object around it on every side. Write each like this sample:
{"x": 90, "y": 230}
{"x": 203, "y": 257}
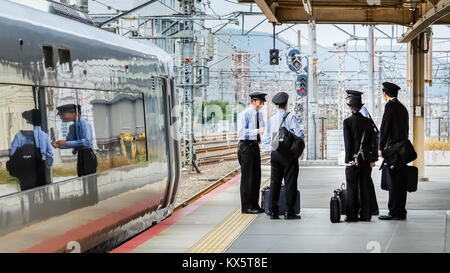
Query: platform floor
{"x": 214, "y": 224}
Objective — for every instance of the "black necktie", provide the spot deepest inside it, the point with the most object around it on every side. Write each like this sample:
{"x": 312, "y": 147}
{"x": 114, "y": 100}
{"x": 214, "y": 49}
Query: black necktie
{"x": 258, "y": 138}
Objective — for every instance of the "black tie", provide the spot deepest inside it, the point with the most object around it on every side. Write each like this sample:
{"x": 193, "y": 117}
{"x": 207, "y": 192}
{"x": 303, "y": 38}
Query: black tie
{"x": 258, "y": 138}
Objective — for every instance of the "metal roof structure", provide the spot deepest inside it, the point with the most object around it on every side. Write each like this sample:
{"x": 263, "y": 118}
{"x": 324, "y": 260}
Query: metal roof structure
{"x": 417, "y": 14}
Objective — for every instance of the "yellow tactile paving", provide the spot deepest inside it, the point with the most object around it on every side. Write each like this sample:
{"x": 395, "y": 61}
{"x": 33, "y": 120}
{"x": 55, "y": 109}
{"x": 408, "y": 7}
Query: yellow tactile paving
{"x": 223, "y": 236}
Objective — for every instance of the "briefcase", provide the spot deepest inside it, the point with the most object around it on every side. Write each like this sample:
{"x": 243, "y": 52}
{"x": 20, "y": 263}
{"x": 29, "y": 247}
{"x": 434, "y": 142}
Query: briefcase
{"x": 400, "y": 154}
{"x": 386, "y": 182}
{"x": 411, "y": 174}
{"x": 282, "y": 203}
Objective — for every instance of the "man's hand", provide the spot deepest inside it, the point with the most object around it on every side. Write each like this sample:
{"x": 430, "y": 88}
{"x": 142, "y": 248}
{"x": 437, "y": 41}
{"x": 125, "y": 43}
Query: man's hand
{"x": 352, "y": 163}
{"x": 261, "y": 130}
{"x": 372, "y": 164}
{"x": 380, "y": 154}
{"x": 59, "y": 143}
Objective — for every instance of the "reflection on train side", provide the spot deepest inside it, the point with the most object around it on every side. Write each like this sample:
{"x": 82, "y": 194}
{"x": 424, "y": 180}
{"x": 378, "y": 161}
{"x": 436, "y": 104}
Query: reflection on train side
{"x": 127, "y": 158}
{"x": 116, "y": 119}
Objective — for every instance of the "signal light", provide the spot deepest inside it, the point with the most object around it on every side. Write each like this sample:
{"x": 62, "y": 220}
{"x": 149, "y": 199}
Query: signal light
{"x": 302, "y": 85}
{"x": 274, "y": 59}
{"x": 299, "y": 108}
{"x": 187, "y": 60}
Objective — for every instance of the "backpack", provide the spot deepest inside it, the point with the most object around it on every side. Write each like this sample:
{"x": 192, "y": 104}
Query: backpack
{"x": 369, "y": 143}
{"x": 287, "y": 143}
{"x": 27, "y": 165}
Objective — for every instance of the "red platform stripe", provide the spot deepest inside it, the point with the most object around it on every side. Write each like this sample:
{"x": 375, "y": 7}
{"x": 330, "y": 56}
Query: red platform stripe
{"x": 153, "y": 231}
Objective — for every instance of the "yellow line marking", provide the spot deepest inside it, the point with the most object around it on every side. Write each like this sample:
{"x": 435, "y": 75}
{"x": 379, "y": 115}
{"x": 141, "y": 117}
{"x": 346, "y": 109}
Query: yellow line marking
{"x": 223, "y": 236}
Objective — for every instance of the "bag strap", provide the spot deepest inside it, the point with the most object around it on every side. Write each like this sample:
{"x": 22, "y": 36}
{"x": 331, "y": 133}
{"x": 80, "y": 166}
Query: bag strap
{"x": 362, "y": 139}
{"x": 284, "y": 118}
{"x": 373, "y": 122}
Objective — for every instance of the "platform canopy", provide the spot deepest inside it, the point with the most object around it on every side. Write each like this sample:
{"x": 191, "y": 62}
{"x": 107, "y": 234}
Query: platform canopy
{"x": 415, "y": 13}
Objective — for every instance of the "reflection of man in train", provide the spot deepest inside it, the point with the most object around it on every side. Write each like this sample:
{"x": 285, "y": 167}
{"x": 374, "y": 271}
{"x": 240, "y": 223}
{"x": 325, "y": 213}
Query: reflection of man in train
{"x": 31, "y": 154}
{"x": 79, "y": 139}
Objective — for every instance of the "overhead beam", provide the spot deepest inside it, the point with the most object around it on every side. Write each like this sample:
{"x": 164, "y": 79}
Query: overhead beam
{"x": 127, "y": 12}
{"x": 266, "y": 7}
{"x": 441, "y": 9}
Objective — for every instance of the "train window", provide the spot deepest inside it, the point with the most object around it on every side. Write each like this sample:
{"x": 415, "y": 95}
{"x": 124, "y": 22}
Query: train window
{"x": 112, "y": 127}
{"x": 64, "y": 60}
{"x": 48, "y": 58}
{"x": 17, "y": 117}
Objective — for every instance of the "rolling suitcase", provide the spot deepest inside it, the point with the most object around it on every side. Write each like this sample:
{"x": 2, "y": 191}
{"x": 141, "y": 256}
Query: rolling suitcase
{"x": 335, "y": 208}
{"x": 282, "y": 205}
{"x": 342, "y": 194}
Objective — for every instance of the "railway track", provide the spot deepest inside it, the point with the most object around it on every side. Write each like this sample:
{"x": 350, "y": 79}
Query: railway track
{"x": 211, "y": 150}
{"x": 264, "y": 160}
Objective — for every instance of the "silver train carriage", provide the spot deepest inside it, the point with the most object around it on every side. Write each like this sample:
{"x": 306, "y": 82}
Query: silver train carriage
{"x": 126, "y": 92}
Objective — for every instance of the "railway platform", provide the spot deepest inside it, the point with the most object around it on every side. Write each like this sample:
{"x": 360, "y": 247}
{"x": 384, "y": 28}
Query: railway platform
{"x": 214, "y": 224}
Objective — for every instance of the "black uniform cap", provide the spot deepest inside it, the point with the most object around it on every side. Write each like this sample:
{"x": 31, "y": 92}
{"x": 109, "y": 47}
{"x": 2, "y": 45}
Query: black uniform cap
{"x": 280, "y": 98}
{"x": 391, "y": 89}
{"x": 68, "y": 108}
{"x": 354, "y": 98}
{"x": 258, "y": 96}
{"x": 33, "y": 117}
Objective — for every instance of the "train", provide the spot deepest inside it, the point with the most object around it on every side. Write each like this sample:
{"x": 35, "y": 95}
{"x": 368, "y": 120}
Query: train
{"x": 53, "y": 55}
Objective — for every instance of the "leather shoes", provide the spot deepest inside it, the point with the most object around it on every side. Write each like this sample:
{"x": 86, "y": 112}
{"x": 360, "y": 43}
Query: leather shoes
{"x": 250, "y": 211}
{"x": 289, "y": 216}
{"x": 364, "y": 219}
{"x": 375, "y": 213}
{"x": 260, "y": 210}
{"x": 350, "y": 220}
{"x": 390, "y": 217}
{"x": 274, "y": 216}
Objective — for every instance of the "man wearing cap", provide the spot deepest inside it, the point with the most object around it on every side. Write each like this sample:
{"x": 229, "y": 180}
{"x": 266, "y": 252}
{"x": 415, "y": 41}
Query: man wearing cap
{"x": 250, "y": 127}
{"x": 79, "y": 139}
{"x": 357, "y": 170}
{"x": 394, "y": 129}
{"x": 40, "y": 174}
{"x": 373, "y": 197}
{"x": 282, "y": 166}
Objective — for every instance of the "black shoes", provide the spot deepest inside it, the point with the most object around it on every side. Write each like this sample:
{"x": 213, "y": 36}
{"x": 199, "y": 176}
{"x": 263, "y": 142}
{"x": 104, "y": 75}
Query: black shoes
{"x": 260, "y": 210}
{"x": 251, "y": 211}
{"x": 364, "y": 219}
{"x": 350, "y": 220}
{"x": 390, "y": 217}
{"x": 289, "y": 216}
{"x": 274, "y": 216}
{"x": 376, "y": 213}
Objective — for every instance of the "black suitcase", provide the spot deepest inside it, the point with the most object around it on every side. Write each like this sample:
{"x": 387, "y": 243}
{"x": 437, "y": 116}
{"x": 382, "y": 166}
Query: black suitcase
{"x": 342, "y": 194}
{"x": 386, "y": 182}
{"x": 335, "y": 208}
{"x": 282, "y": 205}
{"x": 411, "y": 176}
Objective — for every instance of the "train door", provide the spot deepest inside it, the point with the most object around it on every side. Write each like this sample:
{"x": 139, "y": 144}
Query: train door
{"x": 170, "y": 148}
{"x": 175, "y": 138}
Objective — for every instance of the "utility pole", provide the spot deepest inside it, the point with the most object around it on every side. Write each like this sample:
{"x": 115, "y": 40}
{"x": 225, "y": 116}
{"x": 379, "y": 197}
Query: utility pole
{"x": 370, "y": 70}
{"x": 187, "y": 81}
{"x": 380, "y": 78}
{"x": 312, "y": 93}
{"x": 341, "y": 48}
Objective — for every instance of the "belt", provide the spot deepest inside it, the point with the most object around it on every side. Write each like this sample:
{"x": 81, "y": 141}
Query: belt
{"x": 246, "y": 141}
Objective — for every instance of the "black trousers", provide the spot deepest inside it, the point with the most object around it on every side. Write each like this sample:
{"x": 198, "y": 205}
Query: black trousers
{"x": 250, "y": 160}
{"x": 358, "y": 191}
{"x": 397, "y": 194}
{"x": 282, "y": 167}
{"x": 373, "y": 196}
{"x": 86, "y": 162}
